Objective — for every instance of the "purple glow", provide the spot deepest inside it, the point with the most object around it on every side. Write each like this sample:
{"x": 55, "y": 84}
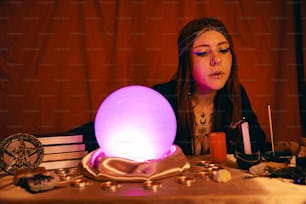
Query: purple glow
{"x": 135, "y": 122}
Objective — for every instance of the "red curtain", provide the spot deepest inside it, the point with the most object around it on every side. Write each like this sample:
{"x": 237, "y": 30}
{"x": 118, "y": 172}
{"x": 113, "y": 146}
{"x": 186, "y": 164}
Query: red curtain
{"x": 60, "y": 59}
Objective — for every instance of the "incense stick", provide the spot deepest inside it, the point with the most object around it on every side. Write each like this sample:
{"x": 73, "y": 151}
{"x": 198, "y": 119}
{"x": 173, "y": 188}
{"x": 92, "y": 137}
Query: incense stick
{"x": 270, "y": 125}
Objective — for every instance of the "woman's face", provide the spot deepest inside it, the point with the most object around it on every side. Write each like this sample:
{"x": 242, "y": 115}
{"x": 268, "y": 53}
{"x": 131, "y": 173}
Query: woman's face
{"x": 211, "y": 60}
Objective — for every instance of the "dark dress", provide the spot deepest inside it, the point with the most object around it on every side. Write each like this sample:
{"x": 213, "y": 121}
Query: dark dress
{"x": 257, "y": 135}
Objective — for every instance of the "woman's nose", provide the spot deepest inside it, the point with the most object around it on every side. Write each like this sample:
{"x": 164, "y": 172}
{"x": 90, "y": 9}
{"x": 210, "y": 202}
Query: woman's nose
{"x": 215, "y": 59}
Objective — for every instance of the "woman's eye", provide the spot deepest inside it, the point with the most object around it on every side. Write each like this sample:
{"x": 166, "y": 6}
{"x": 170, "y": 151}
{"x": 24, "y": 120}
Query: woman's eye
{"x": 200, "y": 54}
{"x": 224, "y": 50}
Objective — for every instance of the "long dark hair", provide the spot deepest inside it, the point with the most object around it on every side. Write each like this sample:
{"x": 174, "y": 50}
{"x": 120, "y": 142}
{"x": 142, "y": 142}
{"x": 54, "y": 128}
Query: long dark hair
{"x": 227, "y": 102}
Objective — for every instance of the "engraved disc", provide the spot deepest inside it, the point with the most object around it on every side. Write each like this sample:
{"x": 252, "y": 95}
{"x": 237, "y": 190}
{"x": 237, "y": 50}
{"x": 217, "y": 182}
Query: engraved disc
{"x": 19, "y": 151}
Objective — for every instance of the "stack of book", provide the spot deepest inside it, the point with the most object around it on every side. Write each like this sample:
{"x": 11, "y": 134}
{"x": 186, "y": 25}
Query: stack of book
{"x": 62, "y": 151}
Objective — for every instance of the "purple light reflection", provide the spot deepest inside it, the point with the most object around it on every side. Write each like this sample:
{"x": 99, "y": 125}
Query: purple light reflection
{"x": 135, "y": 122}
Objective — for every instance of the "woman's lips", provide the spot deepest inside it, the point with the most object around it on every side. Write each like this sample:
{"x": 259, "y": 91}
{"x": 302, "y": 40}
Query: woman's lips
{"x": 216, "y": 75}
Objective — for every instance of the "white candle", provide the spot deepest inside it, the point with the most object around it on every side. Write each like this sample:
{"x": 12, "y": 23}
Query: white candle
{"x": 246, "y": 138}
{"x": 270, "y": 125}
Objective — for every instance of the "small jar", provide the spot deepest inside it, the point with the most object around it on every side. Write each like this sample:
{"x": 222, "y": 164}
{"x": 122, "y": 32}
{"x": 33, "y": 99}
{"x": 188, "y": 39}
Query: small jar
{"x": 301, "y": 154}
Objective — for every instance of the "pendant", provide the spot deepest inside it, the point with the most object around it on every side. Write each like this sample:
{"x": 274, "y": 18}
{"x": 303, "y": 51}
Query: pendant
{"x": 202, "y": 119}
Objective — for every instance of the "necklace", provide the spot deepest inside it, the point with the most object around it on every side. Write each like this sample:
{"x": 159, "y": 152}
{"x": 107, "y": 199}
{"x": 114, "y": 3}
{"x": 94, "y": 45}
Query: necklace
{"x": 202, "y": 119}
{"x": 203, "y": 127}
{"x": 201, "y": 138}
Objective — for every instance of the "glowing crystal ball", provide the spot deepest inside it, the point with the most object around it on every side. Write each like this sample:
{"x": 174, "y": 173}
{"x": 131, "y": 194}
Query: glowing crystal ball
{"x": 135, "y": 122}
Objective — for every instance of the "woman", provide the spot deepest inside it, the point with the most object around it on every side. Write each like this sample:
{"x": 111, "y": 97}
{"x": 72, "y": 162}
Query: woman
{"x": 205, "y": 92}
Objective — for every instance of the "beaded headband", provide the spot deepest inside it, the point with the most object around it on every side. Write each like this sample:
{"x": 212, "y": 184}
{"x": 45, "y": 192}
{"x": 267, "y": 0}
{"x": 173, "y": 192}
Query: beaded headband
{"x": 198, "y": 34}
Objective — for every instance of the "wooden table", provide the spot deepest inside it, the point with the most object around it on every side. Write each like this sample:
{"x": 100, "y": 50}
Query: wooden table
{"x": 240, "y": 189}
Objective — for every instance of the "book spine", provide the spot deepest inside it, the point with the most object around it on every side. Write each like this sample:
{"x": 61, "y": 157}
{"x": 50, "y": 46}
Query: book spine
{"x": 64, "y": 156}
{"x": 53, "y": 140}
{"x": 63, "y": 148}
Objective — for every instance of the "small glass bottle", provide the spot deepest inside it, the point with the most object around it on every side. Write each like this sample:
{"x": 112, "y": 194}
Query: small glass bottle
{"x": 301, "y": 154}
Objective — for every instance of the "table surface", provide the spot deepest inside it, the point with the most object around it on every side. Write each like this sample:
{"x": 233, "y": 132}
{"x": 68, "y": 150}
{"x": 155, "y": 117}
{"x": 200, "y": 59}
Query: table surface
{"x": 240, "y": 189}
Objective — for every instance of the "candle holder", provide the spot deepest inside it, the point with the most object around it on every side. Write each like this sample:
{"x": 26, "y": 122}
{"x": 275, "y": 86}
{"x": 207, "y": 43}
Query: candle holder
{"x": 245, "y": 161}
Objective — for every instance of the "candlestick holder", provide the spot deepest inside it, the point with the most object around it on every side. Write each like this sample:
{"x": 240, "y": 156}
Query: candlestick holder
{"x": 245, "y": 161}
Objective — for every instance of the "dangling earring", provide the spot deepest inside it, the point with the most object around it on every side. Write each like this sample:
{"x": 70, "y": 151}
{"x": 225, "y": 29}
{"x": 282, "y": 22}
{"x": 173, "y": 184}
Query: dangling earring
{"x": 189, "y": 88}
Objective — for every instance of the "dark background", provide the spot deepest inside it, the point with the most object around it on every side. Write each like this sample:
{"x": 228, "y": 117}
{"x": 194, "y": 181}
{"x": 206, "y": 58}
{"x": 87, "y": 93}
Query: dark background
{"x": 60, "y": 59}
